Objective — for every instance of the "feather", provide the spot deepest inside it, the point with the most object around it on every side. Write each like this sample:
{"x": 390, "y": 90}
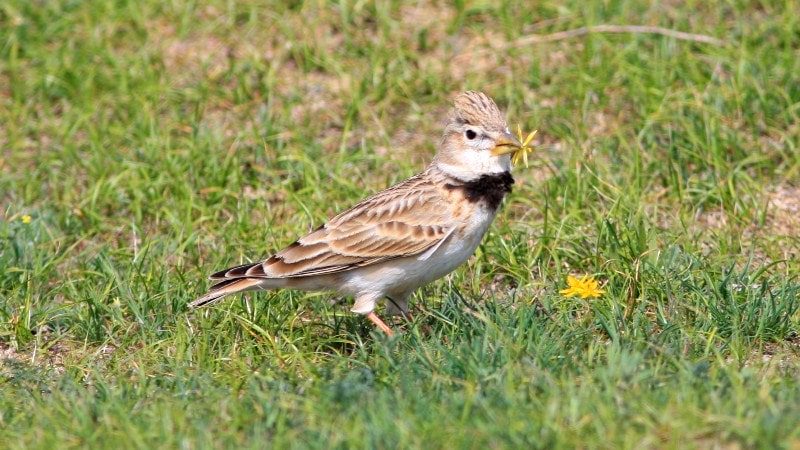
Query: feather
{"x": 223, "y": 288}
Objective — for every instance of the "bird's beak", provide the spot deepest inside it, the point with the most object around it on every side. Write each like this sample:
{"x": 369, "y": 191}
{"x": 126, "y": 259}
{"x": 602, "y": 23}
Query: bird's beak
{"x": 506, "y": 143}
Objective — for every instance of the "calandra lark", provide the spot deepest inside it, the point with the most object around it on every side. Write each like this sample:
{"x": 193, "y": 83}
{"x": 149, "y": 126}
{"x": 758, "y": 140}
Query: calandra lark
{"x": 397, "y": 240}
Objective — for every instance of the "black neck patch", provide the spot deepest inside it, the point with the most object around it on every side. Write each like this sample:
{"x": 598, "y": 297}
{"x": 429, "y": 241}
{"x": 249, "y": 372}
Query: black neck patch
{"x": 489, "y": 189}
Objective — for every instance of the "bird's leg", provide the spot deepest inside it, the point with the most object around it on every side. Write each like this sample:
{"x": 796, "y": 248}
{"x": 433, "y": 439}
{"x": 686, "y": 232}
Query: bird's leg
{"x": 380, "y": 324}
{"x": 398, "y": 307}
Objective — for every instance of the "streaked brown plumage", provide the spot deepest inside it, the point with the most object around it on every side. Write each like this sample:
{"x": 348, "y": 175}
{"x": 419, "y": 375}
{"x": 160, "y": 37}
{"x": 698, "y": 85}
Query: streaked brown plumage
{"x": 405, "y": 236}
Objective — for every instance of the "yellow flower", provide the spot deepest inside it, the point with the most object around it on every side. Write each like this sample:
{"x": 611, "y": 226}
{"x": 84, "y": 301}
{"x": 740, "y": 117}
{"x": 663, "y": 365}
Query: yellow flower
{"x": 583, "y": 287}
{"x": 522, "y": 152}
{"x": 26, "y": 219}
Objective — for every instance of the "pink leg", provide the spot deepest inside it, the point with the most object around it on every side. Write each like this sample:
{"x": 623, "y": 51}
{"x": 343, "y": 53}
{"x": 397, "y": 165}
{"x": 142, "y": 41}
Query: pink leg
{"x": 380, "y": 324}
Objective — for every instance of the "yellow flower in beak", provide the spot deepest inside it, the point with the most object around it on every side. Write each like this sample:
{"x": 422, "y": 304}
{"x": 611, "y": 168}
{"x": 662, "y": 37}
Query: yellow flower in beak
{"x": 520, "y": 147}
{"x": 522, "y": 152}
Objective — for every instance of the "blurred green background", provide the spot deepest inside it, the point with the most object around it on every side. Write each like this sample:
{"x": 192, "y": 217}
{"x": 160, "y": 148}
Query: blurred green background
{"x": 145, "y": 144}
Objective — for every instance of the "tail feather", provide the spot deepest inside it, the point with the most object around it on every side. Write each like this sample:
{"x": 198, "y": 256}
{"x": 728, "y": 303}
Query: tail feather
{"x": 223, "y": 288}
{"x": 233, "y": 272}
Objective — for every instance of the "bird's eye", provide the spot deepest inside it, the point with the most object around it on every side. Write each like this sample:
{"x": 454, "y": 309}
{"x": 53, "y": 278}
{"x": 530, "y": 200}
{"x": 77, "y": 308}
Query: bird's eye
{"x": 471, "y": 134}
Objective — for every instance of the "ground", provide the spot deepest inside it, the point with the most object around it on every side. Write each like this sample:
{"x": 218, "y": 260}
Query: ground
{"x": 146, "y": 144}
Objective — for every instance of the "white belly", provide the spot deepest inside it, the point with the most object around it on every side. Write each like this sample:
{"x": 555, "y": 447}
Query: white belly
{"x": 403, "y": 275}
{"x": 453, "y": 252}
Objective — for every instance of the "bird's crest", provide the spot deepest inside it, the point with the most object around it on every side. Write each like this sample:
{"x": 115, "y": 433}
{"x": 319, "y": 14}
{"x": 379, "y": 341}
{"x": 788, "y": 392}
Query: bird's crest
{"x": 476, "y": 108}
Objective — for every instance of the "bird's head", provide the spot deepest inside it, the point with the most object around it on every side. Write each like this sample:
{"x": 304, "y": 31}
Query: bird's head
{"x": 476, "y": 139}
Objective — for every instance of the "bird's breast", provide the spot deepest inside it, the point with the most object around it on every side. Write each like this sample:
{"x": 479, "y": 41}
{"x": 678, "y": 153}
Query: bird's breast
{"x": 464, "y": 239}
{"x": 487, "y": 190}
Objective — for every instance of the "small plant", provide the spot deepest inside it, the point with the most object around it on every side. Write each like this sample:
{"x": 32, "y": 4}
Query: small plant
{"x": 583, "y": 287}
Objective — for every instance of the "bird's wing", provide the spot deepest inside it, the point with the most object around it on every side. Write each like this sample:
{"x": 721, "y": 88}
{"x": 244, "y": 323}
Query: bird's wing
{"x": 408, "y": 219}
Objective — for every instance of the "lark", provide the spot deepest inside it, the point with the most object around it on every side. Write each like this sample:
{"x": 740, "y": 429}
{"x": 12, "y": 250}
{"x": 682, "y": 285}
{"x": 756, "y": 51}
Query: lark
{"x": 395, "y": 241}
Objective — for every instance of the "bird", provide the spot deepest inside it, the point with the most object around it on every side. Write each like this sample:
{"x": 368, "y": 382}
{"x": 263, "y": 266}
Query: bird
{"x": 404, "y": 237}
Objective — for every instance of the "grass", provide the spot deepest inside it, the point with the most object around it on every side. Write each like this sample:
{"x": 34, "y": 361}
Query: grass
{"x": 154, "y": 142}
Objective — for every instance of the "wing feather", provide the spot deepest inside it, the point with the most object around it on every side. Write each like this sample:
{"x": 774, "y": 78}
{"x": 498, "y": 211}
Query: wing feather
{"x": 408, "y": 219}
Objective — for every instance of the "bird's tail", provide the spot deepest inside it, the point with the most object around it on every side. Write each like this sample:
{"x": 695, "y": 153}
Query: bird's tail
{"x": 226, "y": 287}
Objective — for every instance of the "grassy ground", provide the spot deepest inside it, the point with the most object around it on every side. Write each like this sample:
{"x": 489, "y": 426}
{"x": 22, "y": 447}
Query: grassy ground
{"x": 150, "y": 143}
